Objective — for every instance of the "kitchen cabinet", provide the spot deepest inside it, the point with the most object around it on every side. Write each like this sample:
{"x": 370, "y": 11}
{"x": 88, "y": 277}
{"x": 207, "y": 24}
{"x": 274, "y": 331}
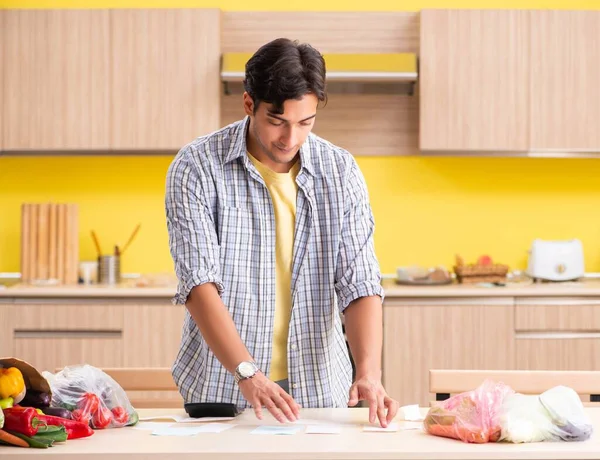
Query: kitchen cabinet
{"x": 474, "y": 80}
{"x": 443, "y": 333}
{"x": 56, "y": 80}
{"x": 152, "y": 334}
{"x": 565, "y": 71}
{"x": 557, "y": 333}
{"x": 165, "y": 88}
{"x": 52, "y": 333}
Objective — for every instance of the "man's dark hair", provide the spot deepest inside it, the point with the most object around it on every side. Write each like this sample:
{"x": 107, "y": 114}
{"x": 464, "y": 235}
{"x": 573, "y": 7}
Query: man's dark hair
{"x": 284, "y": 69}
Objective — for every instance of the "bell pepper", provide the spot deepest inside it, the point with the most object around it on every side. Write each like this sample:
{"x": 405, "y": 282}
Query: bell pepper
{"x": 12, "y": 384}
{"x": 74, "y": 428}
{"x": 6, "y": 403}
{"x": 24, "y": 420}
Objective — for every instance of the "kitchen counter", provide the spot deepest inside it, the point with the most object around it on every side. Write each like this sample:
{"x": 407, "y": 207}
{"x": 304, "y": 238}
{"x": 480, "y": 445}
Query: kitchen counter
{"x": 353, "y": 443}
{"x": 392, "y": 290}
{"x": 566, "y": 289}
{"x": 127, "y": 290}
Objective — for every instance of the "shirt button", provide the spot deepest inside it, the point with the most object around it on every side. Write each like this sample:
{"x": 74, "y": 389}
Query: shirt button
{"x": 294, "y": 346}
{"x": 295, "y": 385}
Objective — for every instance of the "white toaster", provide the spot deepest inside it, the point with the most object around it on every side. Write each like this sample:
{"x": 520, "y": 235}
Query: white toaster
{"x": 556, "y": 260}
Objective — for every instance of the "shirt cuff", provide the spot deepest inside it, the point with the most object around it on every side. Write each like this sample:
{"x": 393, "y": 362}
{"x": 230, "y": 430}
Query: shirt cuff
{"x": 195, "y": 279}
{"x": 354, "y": 291}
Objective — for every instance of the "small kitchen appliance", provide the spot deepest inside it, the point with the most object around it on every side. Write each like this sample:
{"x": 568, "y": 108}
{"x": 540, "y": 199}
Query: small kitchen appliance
{"x": 556, "y": 260}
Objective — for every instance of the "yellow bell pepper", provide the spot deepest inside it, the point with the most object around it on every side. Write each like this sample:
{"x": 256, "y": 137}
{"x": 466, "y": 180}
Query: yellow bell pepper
{"x": 12, "y": 384}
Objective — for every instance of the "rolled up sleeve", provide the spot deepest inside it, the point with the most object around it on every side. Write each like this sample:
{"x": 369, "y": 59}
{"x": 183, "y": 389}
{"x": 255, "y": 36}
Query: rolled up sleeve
{"x": 357, "y": 271}
{"x": 192, "y": 236}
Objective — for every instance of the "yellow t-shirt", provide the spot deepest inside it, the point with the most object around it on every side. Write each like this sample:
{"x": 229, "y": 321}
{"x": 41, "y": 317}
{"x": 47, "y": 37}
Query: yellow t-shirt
{"x": 283, "y": 190}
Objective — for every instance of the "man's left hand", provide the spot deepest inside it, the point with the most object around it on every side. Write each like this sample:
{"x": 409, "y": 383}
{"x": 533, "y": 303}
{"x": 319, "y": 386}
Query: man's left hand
{"x": 372, "y": 391}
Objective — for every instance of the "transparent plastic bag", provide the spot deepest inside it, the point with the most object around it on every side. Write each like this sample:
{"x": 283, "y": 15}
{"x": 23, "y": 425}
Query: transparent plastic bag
{"x": 472, "y": 416}
{"x": 494, "y": 412}
{"x": 92, "y": 396}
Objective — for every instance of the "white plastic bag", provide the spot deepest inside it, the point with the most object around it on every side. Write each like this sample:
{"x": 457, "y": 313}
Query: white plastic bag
{"x": 92, "y": 396}
{"x": 555, "y": 415}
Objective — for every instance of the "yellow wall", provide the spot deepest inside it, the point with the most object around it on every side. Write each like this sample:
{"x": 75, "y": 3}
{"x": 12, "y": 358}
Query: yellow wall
{"x": 426, "y": 209}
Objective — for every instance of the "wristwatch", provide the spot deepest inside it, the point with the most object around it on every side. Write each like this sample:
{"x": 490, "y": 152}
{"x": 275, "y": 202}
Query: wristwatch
{"x": 245, "y": 370}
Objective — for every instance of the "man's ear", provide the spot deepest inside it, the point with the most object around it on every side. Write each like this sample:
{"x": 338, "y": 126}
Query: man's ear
{"x": 248, "y": 104}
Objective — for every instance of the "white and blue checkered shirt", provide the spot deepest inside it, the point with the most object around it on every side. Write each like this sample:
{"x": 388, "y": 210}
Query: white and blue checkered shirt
{"x": 222, "y": 230}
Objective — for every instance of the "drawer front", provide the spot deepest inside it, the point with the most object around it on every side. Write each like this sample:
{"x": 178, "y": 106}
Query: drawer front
{"x": 51, "y": 317}
{"x": 50, "y": 353}
{"x": 557, "y": 314}
{"x": 572, "y": 352}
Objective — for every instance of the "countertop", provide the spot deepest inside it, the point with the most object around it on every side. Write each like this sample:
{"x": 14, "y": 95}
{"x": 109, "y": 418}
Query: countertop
{"x": 353, "y": 443}
{"x": 563, "y": 289}
{"x": 392, "y": 290}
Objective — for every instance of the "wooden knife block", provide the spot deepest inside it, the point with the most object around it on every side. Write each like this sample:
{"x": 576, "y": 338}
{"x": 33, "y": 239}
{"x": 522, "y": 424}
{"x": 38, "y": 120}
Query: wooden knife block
{"x": 49, "y": 242}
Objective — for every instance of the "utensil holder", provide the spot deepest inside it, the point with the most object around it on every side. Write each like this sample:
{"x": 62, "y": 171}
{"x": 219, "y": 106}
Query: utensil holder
{"x": 109, "y": 269}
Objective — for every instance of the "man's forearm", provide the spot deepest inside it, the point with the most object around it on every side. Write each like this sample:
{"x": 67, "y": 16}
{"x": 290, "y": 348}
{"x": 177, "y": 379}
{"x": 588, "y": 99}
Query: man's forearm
{"x": 364, "y": 331}
{"x": 217, "y": 326}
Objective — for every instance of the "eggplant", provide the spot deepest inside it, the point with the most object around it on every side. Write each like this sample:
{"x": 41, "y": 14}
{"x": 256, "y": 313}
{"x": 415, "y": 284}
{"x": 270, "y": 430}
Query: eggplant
{"x": 37, "y": 399}
{"x": 57, "y": 412}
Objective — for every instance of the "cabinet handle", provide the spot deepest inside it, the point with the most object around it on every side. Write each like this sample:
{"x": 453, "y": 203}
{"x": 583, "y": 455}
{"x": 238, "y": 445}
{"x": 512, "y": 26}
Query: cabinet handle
{"x": 65, "y": 334}
{"x": 547, "y": 335}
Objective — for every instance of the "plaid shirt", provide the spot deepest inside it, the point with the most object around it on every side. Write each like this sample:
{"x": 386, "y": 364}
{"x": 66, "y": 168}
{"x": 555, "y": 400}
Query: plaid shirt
{"x": 222, "y": 230}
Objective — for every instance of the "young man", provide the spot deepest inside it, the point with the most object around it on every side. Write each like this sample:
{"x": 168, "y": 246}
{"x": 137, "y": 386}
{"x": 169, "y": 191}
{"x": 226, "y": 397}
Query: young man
{"x": 271, "y": 233}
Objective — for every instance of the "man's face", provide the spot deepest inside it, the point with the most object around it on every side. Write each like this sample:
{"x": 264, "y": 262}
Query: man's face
{"x": 274, "y": 139}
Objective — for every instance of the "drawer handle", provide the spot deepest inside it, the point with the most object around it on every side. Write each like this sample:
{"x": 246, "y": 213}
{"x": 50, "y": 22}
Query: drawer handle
{"x": 547, "y": 335}
{"x": 66, "y": 334}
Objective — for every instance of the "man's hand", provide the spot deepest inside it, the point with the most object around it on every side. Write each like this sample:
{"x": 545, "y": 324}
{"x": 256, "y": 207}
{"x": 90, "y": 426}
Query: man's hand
{"x": 371, "y": 390}
{"x": 260, "y": 391}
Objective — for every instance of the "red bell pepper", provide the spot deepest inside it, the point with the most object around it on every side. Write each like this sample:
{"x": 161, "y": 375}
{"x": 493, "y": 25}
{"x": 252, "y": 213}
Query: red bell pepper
{"x": 24, "y": 420}
{"x": 120, "y": 415}
{"x": 74, "y": 428}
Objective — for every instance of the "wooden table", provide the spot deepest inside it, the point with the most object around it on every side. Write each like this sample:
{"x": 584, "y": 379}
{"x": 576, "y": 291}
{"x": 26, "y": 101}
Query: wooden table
{"x": 237, "y": 443}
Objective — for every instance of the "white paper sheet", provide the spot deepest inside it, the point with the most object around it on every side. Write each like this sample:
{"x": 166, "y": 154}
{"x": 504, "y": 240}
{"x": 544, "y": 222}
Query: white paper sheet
{"x": 276, "y": 430}
{"x": 412, "y": 412}
{"x": 390, "y": 428}
{"x": 411, "y": 425}
{"x": 174, "y": 430}
{"x": 323, "y": 429}
{"x": 149, "y": 425}
{"x": 185, "y": 419}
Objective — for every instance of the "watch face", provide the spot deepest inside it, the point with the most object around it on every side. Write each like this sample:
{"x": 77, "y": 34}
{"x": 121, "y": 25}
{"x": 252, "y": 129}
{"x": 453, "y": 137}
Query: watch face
{"x": 246, "y": 369}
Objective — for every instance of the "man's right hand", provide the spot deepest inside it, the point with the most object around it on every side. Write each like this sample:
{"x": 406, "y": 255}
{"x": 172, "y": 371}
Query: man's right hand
{"x": 259, "y": 391}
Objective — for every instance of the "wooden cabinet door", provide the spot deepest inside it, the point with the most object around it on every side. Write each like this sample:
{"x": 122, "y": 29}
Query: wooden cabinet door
{"x": 152, "y": 334}
{"x": 557, "y": 333}
{"x": 474, "y": 80}
{"x": 165, "y": 88}
{"x": 56, "y": 79}
{"x": 6, "y": 333}
{"x": 424, "y": 334}
{"x": 565, "y": 76}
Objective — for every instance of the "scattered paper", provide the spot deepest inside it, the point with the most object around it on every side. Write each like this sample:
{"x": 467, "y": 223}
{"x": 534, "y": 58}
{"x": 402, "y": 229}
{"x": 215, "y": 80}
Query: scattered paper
{"x": 149, "y": 425}
{"x": 390, "y": 428}
{"x": 174, "y": 430}
{"x": 308, "y": 421}
{"x": 411, "y": 425}
{"x": 176, "y": 418}
{"x": 412, "y": 412}
{"x": 266, "y": 429}
{"x": 323, "y": 429}
{"x": 185, "y": 419}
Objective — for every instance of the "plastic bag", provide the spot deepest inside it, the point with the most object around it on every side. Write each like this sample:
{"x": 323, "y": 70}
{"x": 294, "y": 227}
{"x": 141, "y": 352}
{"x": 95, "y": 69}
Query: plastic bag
{"x": 92, "y": 396}
{"x": 494, "y": 412}
{"x": 472, "y": 416}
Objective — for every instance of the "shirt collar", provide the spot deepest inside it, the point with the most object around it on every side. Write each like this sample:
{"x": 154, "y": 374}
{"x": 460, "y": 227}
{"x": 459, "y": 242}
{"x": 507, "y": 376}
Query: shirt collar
{"x": 238, "y": 147}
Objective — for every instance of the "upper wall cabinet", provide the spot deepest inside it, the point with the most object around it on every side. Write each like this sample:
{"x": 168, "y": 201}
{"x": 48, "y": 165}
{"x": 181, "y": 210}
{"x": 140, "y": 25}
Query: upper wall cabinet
{"x": 474, "y": 80}
{"x": 565, "y": 80}
{"x": 165, "y": 88}
{"x": 56, "y": 79}
{"x": 109, "y": 79}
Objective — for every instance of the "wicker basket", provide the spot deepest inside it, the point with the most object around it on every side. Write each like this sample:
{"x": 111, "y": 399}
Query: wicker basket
{"x": 477, "y": 273}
